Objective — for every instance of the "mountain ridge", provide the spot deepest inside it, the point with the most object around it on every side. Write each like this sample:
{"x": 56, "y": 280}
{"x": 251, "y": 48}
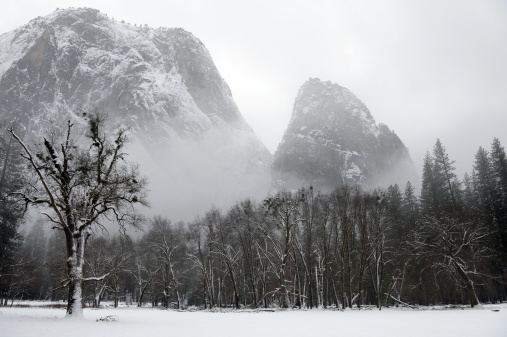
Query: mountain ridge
{"x": 162, "y": 82}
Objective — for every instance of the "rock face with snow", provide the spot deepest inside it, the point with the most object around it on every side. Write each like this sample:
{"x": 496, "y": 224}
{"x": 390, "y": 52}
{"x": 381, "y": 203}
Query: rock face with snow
{"x": 333, "y": 140}
{"x": 189, "y": 135}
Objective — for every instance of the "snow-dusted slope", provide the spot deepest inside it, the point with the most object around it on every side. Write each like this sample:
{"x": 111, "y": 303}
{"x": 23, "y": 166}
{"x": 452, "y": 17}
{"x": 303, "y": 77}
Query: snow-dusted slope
{"x": 332, "y": 140}
{"x": 189, "y": 134}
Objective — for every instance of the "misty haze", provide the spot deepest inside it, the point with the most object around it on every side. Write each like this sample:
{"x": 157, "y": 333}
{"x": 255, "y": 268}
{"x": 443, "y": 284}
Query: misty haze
{"x": 133, "y": 176}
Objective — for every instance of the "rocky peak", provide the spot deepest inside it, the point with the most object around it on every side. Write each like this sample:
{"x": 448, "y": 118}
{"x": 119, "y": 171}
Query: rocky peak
{"x": 316, "y": 97}
{"x": 332, "y": 139}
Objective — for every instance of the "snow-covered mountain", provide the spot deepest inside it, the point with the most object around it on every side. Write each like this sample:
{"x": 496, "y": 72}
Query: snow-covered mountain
{"x": 188, "y": 134}
{"x": 333, "y": 140}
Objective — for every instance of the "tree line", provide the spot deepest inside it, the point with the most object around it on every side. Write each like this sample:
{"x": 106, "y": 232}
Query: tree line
{"x": 349, "y": 248}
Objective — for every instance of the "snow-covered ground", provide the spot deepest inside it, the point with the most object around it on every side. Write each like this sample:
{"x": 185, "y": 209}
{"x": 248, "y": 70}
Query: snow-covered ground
{"x": 491, "y": 321}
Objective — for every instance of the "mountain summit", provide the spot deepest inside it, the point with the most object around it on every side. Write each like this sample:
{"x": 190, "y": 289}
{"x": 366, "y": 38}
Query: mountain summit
{"x": 189, "y": 136}
{"x": 332, "y": 140}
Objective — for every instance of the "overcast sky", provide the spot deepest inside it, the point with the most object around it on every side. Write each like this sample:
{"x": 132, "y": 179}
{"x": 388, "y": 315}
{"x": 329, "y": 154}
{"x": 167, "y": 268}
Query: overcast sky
{"x": 427, "y": 69}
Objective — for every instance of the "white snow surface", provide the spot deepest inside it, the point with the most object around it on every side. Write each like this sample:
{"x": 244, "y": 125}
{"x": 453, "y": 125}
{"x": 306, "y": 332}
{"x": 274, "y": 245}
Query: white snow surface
{"x": 133, "y": 321}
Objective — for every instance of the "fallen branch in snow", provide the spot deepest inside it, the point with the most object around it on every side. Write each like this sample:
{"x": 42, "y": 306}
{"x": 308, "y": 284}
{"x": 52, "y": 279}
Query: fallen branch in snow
{"x": 110, "y": 318}
{"x": 402, "y": 303}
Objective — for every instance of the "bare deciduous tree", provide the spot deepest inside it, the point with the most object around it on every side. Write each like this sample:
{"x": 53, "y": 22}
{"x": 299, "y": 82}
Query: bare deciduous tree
{"x": 78, "y": 186}
{"x": 455, "y": 247}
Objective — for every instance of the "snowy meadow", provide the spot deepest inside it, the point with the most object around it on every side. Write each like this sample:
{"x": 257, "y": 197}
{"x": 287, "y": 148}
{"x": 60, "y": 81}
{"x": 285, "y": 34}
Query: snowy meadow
{"x": 490, "y": 320}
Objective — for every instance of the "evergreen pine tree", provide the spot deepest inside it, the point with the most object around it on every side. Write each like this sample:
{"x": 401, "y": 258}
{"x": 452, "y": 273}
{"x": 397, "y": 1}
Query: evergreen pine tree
{"x": 394, "y": 212}
{"x": 498, "y": 161}
{"x": 484, "y": 184}
{"x": 11, "y": 212}
{"x": 469, "y": 199}
{"x": 443, "y": 173}
{"x": 428, "y": 198}
{"x": 409, "y": 206}
{"x": 499, "y": 169}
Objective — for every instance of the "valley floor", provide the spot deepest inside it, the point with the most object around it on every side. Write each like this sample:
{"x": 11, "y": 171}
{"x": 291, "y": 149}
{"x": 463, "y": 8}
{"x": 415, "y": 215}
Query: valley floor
{"x": 491, "y": 321}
